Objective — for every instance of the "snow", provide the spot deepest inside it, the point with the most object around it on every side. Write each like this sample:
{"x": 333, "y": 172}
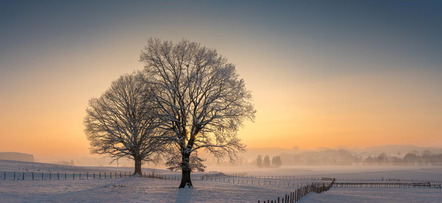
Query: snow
{"x": 390, "y": 195}
{"x": 133, "y": 189}
{"x": 213, "y": 188}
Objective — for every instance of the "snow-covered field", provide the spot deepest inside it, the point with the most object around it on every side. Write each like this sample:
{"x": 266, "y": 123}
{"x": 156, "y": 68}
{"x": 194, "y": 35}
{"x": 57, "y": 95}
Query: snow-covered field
{"x": 134, "y": 189}
{"x": 258, "y": 184}
{"x": 390, "y": 195}
{"x": 130, "y": 190}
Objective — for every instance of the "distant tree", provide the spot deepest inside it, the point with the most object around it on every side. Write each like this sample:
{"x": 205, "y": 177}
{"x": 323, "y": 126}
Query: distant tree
{"x": 120, "y": 123}
{"x": 266, "y": 162}
{"x": 426, "y": 153}
{"x": 427, "y": 157}
{"x": 276, "y": 161}
{"x": 259, "y": 161}
{"x": 411, "y": 158}
{"x": 200, "y": 99}
{"x": 369, "y": 160}
{"x": 382, "y": 159}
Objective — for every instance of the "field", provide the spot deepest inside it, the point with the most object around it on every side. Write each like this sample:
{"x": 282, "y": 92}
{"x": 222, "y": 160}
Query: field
{"x": 238, "y": 185}
{"x": 335, "y": 195}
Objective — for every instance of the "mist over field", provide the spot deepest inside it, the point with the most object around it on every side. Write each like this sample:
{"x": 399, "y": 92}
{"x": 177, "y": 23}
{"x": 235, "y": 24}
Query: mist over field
{"x": 391, "y": 155}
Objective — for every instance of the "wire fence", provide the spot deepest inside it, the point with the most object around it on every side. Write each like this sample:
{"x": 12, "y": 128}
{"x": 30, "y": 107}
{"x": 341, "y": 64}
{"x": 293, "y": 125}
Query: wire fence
{"x": 62, "y": 175}
{"x": 292, "y": 183}
{"x": 316, "y": 178}
{"x": 388, "y": 185}
{"x": 241, "y": 179}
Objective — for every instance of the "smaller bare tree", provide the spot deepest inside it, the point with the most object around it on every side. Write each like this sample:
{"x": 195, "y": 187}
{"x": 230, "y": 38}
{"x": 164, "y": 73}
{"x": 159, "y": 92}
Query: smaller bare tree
{"x": 259, "y": 161}
{"x": 120, "y": 123}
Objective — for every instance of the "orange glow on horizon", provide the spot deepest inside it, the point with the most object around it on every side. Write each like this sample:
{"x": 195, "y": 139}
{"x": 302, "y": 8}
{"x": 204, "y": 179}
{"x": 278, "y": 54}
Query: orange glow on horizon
{"x": 42, "y": 112}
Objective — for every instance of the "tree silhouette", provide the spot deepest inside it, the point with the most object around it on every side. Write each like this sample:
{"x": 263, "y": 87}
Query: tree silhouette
{"x": 259, "y": 161}
{"x": 266, "y": 162}
{"x": 276, "y": 161}
{"x": 199, "y": 97}
{"x": 120, "y": 123}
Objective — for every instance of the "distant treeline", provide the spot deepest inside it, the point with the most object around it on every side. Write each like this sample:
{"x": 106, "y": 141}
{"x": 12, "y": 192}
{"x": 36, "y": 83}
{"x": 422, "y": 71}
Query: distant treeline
{"x": 266, "y": 163}
{"x": 408, "y": 159}
{"x": 344, "y": 157}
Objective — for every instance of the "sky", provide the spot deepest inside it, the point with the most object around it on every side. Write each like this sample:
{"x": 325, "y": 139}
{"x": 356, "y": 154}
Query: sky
{"x": 323, "y": 74}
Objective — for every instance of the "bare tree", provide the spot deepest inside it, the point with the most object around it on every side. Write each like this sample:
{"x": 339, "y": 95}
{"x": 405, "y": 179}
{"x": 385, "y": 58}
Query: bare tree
{"x": 200, "y": 99}
{"x": 266, "y": 161}
{"x": 120, "y": 123}
{"x": 259, "y": 161}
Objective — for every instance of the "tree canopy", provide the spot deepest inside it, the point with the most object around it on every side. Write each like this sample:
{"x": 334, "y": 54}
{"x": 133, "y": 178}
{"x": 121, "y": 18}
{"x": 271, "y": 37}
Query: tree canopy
{"x": 121, "y": 122}
{"x": 199, "y": 98}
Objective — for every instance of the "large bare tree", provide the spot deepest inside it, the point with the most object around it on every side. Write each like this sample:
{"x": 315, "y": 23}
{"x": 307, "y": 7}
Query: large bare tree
{"x": 200, "y": 99}
{"x": 120, "y": 123}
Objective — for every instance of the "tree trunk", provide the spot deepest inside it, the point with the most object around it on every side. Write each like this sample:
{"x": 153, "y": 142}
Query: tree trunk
{"x": 185, "y": 168}
{"x": 138, "y": 166}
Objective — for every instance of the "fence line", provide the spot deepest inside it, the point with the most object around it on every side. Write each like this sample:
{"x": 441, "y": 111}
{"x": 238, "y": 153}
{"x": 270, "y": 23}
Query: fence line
{"x": 222, "y": 178}
{"x": 161, "y": 176}
{"x": 62, "y": 176}
{"x": 287, "y": 181}
{"x": 244, "y": 175}
{"x": 250, "y": 181}
{"x": 301, "y": 192}
{"x": 388, "y": 185}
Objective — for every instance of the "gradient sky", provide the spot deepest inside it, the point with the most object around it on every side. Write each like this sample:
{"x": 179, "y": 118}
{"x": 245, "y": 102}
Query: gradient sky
{"x": 322, "y": 73}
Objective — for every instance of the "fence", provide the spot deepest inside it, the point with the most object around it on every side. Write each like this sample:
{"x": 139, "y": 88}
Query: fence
{"x": 161, "y": 176}
{"x": 379, "y": 179}
{"x": 243, "y": 175}
{"x": 62, "y": 176}
{"x": 388, "y": 185}
{"x": 252, "y": 181}
{"x": 301, "y": 192}
{"x": 78, "y": 176}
